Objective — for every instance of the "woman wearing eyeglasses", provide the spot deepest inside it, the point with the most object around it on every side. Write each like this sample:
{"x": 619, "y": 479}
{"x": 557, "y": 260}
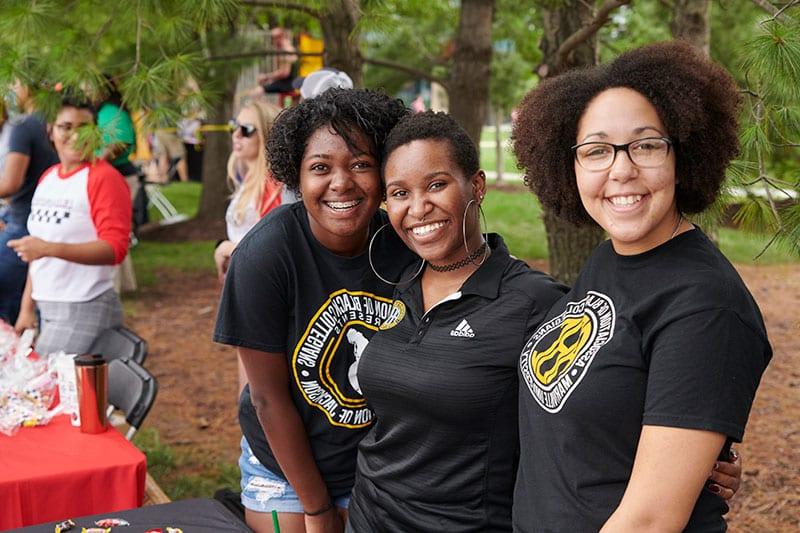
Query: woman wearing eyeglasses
{"x": 79, "y": 224}
{"x": 255, "y": 191}
{"x": 641, "y": 376}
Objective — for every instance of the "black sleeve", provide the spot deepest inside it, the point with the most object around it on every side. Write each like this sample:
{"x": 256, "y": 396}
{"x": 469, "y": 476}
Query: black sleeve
{"x": 254, "y": 309}
{"x": 704, "y": 372}
{"x": 545, "y": 294}
{"x": 22, "y": 137}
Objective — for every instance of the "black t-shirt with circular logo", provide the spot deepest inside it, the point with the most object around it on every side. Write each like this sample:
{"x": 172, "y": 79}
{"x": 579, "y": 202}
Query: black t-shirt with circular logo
{"x": 285, "y": 293}
{"x": 670, "y": 337}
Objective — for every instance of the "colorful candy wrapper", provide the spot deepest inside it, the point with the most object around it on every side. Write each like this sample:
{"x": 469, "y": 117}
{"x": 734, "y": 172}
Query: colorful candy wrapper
{"x": 174, "y": 530}
{"x": 111, "y": 522}
{"x": 66, "y": 525}
{"x": 96, "y": 530}
{"x": 155, "y": 530}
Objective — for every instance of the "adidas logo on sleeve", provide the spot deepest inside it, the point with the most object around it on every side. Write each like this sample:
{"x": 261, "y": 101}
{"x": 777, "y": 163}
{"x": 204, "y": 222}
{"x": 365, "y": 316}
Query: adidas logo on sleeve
{"x": 462, "y": 330}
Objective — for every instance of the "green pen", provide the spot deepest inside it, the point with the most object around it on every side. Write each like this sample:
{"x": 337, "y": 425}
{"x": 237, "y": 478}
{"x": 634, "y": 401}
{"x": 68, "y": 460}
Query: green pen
{"x": 275, "y": 525}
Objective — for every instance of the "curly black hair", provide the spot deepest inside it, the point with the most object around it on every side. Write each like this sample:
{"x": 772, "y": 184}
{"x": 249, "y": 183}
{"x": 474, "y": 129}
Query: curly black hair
{"x": 435, "y": 126}
{"x": 351, "y": 113}
{"x": 696, "y": 99}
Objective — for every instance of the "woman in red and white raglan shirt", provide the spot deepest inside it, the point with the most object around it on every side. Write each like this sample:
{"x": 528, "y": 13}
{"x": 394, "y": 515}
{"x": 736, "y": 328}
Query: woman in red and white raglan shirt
{"x": 79, "y": 226}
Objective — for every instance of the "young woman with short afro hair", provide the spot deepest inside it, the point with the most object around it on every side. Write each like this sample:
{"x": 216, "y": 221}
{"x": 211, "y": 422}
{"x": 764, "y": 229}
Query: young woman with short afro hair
{"x": 346, "y": 111}
{"x": 696, "y": 99}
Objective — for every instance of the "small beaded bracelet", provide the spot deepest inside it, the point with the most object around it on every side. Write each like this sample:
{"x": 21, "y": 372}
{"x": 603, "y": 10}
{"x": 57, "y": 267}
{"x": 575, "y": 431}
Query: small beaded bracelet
{"x": 324, "y": 509}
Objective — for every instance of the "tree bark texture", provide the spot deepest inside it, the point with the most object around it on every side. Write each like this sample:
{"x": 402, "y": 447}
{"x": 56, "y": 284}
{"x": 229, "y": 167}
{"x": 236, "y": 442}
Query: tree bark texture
{"x": 217, "y": 148}
{"x": 568, "y": 245}
{"x": 468, "y": 88}
{"x": 691, "y": 22}
{"x": 338, "y": 23}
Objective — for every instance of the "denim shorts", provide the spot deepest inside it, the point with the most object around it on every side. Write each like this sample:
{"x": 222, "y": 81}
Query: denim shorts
{"x": 264, "y": 491}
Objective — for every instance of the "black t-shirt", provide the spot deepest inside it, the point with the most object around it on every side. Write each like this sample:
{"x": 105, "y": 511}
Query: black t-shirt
{"x": 285, "y": 293}
{"x": 443, "y": 451}
{"x": 670, "y": 337}
{"x": 29, "y": 137}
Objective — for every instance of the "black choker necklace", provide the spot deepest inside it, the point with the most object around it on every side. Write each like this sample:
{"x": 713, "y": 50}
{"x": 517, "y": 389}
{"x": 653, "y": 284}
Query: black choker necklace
{"x": 460, "y": 264}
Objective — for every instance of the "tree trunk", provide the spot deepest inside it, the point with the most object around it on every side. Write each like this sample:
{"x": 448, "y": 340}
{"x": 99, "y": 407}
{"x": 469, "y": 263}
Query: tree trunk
{"x": 498, "y": 144}
{"x": 690, "y": 22}
{"x": 569, "y": 246}
{"x": 341, "y": 38}
{"x": 217, "y": 148}
{"x": 468, "y": 87}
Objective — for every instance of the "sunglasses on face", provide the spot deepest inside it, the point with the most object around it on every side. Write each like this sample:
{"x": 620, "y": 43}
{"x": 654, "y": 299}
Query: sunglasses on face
{"x": 245, "y": 130}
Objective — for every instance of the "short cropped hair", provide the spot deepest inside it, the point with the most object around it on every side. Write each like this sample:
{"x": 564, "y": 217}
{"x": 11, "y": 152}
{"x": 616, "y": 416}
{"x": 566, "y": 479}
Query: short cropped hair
{"x": 696, "y": 99}
{"x": 349, "y": 112}
{"x": 77, "y": 102}
{"x": 430, "y": 125}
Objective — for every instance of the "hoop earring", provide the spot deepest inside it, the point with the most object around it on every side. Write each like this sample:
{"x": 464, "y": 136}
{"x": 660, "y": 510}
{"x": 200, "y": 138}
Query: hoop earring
{"x": 464, "y": 230}
{"x": 372, "y": 265}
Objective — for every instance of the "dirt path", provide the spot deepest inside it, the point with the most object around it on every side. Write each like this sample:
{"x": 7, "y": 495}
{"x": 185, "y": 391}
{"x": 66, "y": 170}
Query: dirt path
{"x": 196, "y": 408}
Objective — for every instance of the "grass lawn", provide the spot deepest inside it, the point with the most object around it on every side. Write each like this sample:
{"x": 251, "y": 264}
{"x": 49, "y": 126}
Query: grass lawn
{"x": 149, "y": 256}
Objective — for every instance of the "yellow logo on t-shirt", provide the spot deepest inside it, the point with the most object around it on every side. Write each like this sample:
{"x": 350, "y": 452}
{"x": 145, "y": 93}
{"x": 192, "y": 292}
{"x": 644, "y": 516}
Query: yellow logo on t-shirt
{"x": 325, "y": 360}
{"x": 558, "y": 355}
{"x": 397, "y": 315}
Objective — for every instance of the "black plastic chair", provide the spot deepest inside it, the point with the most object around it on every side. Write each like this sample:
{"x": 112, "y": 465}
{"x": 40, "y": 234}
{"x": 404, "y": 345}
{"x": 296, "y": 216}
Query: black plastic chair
{"x": 132, "y": 390}
{"x": 120, "y": 342}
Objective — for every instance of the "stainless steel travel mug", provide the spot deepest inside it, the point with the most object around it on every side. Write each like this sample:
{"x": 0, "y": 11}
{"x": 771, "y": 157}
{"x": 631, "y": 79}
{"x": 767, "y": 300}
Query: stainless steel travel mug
{"x": 91, "y": 372}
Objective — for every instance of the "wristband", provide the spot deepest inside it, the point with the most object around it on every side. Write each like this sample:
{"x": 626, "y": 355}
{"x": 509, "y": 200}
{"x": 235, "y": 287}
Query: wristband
{"x": 324, "y": 509}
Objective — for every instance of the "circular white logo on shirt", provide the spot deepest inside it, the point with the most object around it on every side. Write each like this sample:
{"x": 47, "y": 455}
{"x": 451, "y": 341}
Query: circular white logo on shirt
{"x": 325, "y": 361}
{"x": 556, "y": 358}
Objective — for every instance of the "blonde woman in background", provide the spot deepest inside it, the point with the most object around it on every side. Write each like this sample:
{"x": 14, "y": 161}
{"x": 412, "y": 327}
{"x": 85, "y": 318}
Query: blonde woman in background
{"x": 255, "y": 191}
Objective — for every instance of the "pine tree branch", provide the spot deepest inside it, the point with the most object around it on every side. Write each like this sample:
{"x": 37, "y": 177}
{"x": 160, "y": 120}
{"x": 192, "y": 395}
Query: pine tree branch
{"x": 284, "y": 5}
{"x": 772, "y": 240}
{"x": 777, "y": 14}
{"x": 587, "y": 31}
{"x": 407, "y": 69}
{"x": 259, "y": 53}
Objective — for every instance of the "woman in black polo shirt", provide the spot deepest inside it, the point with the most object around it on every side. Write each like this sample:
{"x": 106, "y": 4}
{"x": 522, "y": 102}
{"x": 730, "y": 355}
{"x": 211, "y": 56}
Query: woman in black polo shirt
{"x": 442, "y": 376}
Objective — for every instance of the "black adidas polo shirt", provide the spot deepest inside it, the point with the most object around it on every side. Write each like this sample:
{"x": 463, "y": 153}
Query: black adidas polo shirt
{"x": 442, "y": 453}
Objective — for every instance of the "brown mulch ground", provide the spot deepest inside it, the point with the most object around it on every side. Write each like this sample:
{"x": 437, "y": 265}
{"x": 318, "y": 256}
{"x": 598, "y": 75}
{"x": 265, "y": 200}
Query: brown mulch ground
{"x": 196, "y": 407}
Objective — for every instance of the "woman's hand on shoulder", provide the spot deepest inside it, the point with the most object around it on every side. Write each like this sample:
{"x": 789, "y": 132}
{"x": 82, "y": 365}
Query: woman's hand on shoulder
{"x": 726, "y": 477}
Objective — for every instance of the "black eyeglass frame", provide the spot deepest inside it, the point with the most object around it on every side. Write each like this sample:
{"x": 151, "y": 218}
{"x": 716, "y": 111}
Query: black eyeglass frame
{"x": 246, "y": 130}
{"x": 623, "y": 148}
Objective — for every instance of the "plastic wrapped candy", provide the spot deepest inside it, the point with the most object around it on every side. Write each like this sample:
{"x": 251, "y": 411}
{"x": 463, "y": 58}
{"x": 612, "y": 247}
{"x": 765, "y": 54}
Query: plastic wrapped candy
{"x": 27, "y": 388}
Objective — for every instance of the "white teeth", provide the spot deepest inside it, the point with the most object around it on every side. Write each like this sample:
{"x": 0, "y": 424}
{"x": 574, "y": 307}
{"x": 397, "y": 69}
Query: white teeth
{"x": 626, "y": 200}
{"x": 428, "y": 228}
{"x": 343, "y": 205}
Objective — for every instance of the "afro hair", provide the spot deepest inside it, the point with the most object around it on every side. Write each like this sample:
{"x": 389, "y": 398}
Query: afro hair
{"x": 696, "y": 99}
{"x": 354, "y": 114}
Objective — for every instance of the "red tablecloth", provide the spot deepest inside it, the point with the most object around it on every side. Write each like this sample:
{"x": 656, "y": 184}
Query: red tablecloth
{"x": 55, "y": 472}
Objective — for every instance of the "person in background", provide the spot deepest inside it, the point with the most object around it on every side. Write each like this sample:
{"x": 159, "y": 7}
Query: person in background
{"x": 320, "y": 81}
{"x": 642, "y": 375}
{"x": 255, "y": 191}
{"x": 118, "y": 143}
{"x": 280, "y": 79}
{"x": 79, "y": 224}
{"x": 29, "y": 155}
{"x": 170, "y": 156}
{"x": 297, "y": 282}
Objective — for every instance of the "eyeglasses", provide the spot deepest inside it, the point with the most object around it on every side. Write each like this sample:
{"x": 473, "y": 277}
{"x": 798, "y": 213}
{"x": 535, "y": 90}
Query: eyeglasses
{"x": 649, "y": 152}
{"x": 246, "y": 130}
{"x": 67, "y": 127}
